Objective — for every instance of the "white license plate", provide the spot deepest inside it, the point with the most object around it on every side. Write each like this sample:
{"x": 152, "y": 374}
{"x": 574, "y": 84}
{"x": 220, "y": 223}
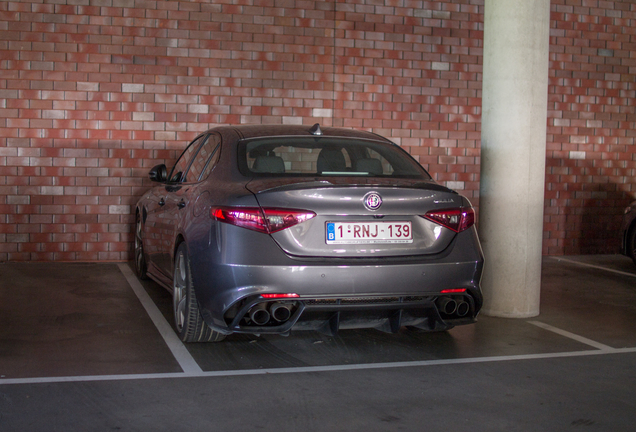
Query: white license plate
{"x": 369, "y": 232}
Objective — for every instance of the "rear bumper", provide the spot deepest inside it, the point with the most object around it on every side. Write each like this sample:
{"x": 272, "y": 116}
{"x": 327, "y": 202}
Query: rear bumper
{"x": 335, "y": 294}
{"x": 388, "y": 314}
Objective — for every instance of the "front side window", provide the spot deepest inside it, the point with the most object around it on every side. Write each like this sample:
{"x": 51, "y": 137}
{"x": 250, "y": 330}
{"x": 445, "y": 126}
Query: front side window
{"x": 325, "y": 156}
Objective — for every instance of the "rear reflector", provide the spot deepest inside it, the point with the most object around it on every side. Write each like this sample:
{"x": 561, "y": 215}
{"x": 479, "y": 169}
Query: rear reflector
{"x": 266, "y": 220}
{"x": 457, "y": 219}
{"x": 453, "y": 290}
{"x": 279, "y": 296}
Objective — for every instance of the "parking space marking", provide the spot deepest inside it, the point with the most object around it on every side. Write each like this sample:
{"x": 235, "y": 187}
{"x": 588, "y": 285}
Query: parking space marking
{"x": 572, "y": 336}
{"x": 311, "y": 369}
{"x": 192, "y": 370}
{"x": 594, "y": 266}
{"x": 179, "y": 351}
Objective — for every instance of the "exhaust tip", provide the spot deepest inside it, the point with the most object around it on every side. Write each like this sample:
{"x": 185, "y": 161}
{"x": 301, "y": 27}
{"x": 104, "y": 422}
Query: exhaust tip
{"x": 447, "y": 305}
{"x": 462, "y": 308}
{"x": 259, "y": 315}
{"x": 280, "y": 312}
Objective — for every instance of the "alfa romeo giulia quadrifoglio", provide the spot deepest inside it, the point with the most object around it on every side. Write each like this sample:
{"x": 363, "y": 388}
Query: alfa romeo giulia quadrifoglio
{"x": 273, "y": 229}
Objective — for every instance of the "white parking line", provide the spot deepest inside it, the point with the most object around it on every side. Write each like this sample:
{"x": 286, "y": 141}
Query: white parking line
{"x": 179, "y": 351}
{"x": 594, "y": 266}
{"x": 572, "y": 336}
{"x": 192, "y": 370}
{"x": 309, "y": 369}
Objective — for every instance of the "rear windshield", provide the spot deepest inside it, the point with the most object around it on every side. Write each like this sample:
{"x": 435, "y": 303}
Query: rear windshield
{"x": 325, "y": 157}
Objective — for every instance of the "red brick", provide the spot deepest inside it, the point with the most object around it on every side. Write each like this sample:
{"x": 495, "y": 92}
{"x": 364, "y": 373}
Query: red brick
{"x": 411, "y": 74}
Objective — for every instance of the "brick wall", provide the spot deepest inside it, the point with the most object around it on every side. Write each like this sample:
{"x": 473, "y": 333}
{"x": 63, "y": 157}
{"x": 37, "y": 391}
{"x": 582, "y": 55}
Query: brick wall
{"x": 94, "y": 92}
{"x": 591, "y": 157}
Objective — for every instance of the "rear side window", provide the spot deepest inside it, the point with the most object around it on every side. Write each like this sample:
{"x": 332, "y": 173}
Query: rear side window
{"x": 178, "y": 172}
{"x": 205, "y": 160}
{"x": 325, "y": 156}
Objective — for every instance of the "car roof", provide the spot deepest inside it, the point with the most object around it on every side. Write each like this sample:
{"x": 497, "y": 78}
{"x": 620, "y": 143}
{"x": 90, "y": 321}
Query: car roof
{"x": 263, "y": 131}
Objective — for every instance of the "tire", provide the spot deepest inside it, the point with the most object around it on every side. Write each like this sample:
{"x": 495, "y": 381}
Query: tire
{"x": 141, "y": 267}
{"x": 188, "y": 322}
{"x": 631, "y": 243}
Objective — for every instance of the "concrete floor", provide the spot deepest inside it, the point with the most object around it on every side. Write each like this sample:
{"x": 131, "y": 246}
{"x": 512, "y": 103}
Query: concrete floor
{"x": 88, "y": 347}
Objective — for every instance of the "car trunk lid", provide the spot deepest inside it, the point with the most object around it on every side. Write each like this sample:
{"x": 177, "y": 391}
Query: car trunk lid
{"x": 359, "y": 217}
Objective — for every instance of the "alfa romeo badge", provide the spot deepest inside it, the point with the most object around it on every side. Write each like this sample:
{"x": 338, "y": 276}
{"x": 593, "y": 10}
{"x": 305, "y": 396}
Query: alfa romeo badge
{"x": 372, "y": 201}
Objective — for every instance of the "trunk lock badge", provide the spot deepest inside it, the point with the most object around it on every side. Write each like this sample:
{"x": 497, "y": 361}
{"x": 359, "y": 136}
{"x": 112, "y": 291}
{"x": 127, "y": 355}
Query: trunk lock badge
{"x": 372, "y": 201}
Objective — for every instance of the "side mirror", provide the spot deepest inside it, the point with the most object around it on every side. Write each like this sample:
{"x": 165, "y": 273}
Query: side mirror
{"x": 158, "y": 173}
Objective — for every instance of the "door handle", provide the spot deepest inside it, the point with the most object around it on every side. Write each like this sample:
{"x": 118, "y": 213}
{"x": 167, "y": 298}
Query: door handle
{"x": 181, "y": 204}
{"x": 162, "y": 202}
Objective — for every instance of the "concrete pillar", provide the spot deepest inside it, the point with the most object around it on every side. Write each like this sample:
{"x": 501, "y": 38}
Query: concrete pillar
{"x": 513, "y": 151}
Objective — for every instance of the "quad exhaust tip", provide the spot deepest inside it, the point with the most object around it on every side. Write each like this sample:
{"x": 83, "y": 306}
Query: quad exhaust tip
{"x": 462, "y": 308}
{"x": 280, "y": 312}
{"x": 450, "y": 306}
{"x": 261, "y": 313}
{"x": 447, "y": 305}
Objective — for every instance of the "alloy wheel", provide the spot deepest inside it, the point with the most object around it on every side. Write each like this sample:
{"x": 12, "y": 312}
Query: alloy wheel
{"x": 179, "y": 295}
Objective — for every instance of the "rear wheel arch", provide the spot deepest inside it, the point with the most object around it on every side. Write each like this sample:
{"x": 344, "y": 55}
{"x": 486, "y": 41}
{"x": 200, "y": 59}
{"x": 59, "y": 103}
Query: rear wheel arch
{"x": 189, "y": 323}
{"x": 180, "y": 239}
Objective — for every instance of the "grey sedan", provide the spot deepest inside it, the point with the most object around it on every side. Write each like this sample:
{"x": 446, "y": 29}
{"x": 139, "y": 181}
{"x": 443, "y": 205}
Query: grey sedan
{"x": 269, "y": 229}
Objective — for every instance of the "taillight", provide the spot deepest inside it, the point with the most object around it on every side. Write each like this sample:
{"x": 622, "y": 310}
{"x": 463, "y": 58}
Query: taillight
{"x": 246, "y": 217}
{"x": 457, "y": 219}
{"x": 280, "y": 219}
{"x": 265, "y": 220}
